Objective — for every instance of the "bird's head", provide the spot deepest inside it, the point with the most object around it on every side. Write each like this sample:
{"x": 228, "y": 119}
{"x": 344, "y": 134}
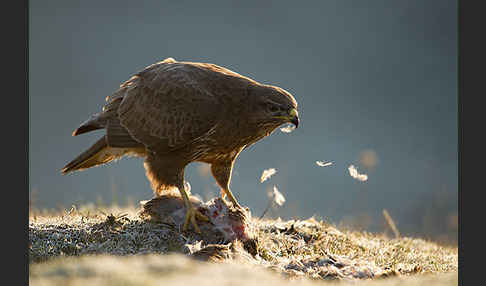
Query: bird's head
{"x": 274, "y": 106}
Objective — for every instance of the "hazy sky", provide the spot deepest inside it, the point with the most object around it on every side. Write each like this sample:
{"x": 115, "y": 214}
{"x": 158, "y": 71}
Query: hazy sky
{"x": 368, "y": 75}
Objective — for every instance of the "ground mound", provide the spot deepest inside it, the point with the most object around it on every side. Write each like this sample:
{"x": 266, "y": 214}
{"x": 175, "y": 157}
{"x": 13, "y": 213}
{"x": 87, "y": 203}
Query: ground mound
{"x": 296, "y": 249}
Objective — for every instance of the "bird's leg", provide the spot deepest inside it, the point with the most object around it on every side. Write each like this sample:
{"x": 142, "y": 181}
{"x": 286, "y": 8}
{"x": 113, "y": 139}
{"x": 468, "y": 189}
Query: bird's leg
{"x": 164, "y": 174}
{"x": 231, "y": 197}
{"x": 222, "y": 174}
{"x": 191, "y": 212}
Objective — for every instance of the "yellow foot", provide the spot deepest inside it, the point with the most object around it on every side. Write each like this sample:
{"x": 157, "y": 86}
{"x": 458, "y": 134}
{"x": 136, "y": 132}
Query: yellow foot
{"x": 230, "y": 196}
{"x": 235, "y": 203}
{"x": 191, "y": 216}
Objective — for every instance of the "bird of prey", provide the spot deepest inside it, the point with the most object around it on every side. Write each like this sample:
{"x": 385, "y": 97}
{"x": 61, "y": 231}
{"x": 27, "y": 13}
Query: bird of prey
{"x": 173, "y": 113}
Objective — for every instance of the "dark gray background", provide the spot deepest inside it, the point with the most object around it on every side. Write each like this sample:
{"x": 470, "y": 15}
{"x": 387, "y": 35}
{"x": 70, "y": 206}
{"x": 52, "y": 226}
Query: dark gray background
{"x": 368, "y": 75}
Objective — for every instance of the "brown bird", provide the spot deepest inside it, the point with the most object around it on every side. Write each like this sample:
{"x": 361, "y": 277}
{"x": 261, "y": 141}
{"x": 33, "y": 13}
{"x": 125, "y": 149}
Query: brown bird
{"x": 174, "y": 113}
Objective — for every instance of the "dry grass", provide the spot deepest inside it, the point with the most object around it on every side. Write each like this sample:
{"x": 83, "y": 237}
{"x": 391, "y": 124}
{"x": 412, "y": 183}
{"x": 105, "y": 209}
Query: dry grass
{"x": 176, "y": 269}
{"x": 62, "y": 246}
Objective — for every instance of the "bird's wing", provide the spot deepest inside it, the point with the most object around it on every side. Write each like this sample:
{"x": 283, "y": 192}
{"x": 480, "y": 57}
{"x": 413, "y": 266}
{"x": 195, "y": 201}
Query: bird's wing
{"x": 166, "y": 107}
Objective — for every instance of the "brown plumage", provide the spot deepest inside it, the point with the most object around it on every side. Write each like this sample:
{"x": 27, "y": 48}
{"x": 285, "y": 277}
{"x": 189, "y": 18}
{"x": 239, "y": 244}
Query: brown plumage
{"x": 174, "y": 113}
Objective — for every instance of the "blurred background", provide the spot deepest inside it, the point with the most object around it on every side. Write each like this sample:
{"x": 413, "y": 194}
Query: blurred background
{"x": 376, "y": 83}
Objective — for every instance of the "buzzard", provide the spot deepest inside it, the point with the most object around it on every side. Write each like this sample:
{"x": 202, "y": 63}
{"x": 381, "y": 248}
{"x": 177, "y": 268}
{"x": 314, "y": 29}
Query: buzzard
{"x": 173, "y": 113}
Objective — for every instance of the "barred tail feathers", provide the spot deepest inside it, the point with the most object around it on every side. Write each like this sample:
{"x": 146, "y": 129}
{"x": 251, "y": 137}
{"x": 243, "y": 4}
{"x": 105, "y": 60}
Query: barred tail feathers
{"x": 99, "y": 153}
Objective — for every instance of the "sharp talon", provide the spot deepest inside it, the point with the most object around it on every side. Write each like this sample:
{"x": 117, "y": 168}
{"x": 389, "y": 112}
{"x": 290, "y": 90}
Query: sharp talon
{"x": 191, "y": 216}
{"x": 201, "y": 216}
{"x": 191, "y": 212}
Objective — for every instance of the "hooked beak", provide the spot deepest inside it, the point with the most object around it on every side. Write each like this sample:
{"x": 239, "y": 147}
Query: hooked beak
{"x": 294, "y": 117}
